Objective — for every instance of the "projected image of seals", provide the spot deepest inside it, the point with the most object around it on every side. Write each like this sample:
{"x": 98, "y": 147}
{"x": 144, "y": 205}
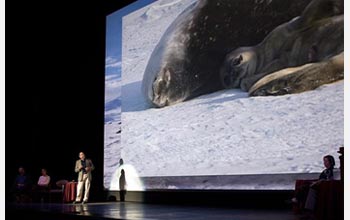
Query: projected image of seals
{"x": 186, "y": 62}
{"x": 223, "y": 132}
{"x": 315, "y": 38}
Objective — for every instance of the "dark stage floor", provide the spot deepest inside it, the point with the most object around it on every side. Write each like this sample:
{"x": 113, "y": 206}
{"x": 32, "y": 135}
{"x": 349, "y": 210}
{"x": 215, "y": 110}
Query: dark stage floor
{"x": 138, "y": 211}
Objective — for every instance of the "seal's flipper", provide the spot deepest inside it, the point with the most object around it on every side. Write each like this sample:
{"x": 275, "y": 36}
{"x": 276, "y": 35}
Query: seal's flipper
{"x": 301, "y": 78}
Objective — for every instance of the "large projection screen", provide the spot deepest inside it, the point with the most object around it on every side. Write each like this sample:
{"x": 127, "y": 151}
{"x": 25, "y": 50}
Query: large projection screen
{"x": 224, "y": 139}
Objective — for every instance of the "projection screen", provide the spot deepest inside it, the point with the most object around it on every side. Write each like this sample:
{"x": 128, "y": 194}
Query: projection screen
{"x": 213, "y": 137}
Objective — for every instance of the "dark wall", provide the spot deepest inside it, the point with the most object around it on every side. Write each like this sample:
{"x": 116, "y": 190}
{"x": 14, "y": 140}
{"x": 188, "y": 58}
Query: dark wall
{"x": 54, "y": 98}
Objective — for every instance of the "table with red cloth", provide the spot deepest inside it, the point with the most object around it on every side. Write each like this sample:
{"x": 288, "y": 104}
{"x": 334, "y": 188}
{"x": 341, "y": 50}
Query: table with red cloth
{"x": 70, "y": 191}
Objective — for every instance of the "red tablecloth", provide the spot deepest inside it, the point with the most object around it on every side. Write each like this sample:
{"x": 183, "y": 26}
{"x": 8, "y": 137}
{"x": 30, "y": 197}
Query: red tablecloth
{"x": 70, "y": 191}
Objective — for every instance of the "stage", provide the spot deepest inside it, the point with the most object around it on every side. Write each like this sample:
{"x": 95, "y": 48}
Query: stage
{"x": 138, "y": 211}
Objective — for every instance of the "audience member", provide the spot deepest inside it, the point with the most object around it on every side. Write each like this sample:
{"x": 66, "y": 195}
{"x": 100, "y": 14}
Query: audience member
{"x": 22, "y": 186}
{"x": 44, "y": 179}
{"x": 327, "y": 174}
{"x": 43, "y": 185}
{"x": 306, "y": 194}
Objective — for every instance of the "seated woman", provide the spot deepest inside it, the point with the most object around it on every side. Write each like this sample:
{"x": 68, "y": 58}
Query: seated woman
{"x": 327, "y": 174}
{"x": 43, "y": 185}
{"x": 305, "y": 196}
{"x": 44, "y": 179}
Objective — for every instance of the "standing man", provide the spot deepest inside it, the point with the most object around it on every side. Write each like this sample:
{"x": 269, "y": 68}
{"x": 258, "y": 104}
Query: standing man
{"x": 83, "y": 167}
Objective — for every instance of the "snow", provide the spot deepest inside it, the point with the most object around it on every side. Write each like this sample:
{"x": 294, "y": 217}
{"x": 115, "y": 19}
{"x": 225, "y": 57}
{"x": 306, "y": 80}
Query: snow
{"x": 225, "y": 133}
{"x": 112, "y": 126}
{"x": 229, "y": 133}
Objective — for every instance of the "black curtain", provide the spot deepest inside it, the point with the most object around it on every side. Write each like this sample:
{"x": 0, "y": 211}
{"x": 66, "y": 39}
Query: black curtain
{"x": 54, "y": 95}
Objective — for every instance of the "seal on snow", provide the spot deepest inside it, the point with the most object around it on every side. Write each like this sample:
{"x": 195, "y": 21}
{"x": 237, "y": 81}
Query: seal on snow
{"x": 314, "y": 38}
{"x": 186, "y": 62}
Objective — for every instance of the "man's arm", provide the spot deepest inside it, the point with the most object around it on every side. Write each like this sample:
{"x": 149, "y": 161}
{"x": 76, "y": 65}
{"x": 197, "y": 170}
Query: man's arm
{"x": 90, "y": 166}
{"x": 77, "y": 166}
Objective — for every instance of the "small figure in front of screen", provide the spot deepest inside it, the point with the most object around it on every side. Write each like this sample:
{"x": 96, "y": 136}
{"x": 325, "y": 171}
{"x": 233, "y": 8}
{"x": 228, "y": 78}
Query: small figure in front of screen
{"x": 327, "y": 174}
{"x": 122, "y": 186}
{"x": 83, "y": 167}
{"x": 307, "y": 193}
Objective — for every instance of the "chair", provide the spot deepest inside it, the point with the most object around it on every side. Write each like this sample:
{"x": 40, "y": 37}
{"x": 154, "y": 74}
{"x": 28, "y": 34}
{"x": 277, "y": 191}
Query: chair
{"x": 301, "y": 191}
{"x": 330, "y": 200}
{"x": 59, "y": 190}
{"x": 41, "y": 193}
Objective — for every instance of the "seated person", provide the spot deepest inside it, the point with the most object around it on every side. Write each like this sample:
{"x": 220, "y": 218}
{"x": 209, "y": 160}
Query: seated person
{"x": 43, "y": 185}
{"x": 327, "y": 174}
{"x": 302, "y": 193}
{"x": 21, "y": 188}
{"x": 44, "y": 179}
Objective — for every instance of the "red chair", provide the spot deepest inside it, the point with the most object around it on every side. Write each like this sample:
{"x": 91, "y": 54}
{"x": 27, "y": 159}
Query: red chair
{"x": 301, "y": 190}
{"x": 330, "y": 200}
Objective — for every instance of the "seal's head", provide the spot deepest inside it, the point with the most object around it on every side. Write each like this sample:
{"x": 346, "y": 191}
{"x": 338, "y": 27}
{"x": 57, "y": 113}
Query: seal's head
{"x": 168, "y": 88}
{"x": 237, "y": 65}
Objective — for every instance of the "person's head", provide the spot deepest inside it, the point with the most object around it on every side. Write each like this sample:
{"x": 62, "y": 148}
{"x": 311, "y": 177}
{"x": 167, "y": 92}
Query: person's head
{"x": 122, "y": 172}
{"x": 43, "y": 172}
{"x": 21, "y": 170}
{"x": 329, "y": 161}
{"x": 82, "y": 155}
